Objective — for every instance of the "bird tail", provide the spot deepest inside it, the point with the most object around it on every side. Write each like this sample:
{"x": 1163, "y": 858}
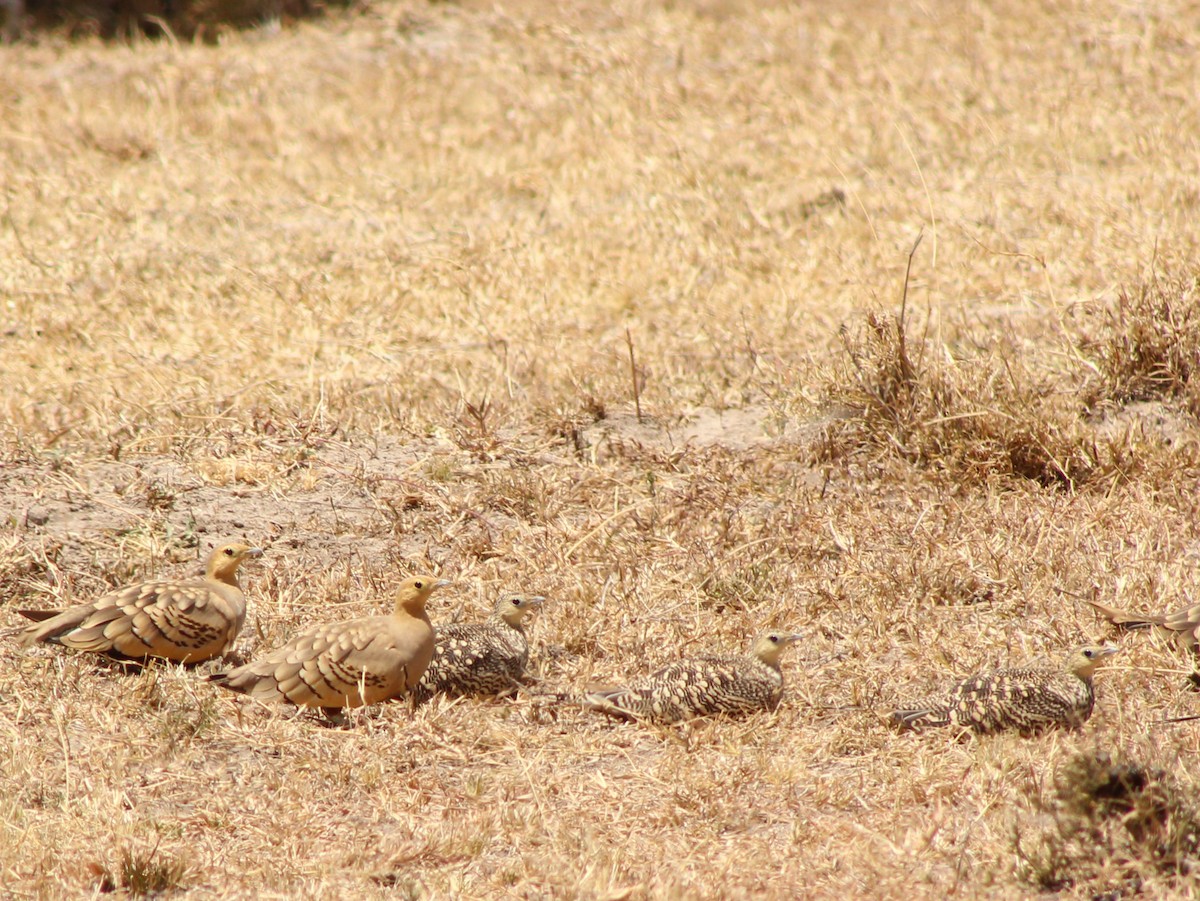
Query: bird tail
{"x": 234, "y": 680}
{"x": 39, "y": 616}
{"x": 920, "y": 716}
{"x": 610, "y": 702}
{"x": 1127, "y": 619}
{"x": 50, "y": 624}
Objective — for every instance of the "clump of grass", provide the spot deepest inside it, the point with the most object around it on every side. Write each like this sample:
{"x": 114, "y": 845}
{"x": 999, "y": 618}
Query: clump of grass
{"x": 978, "y": 416}
{"x": 1146, "y": 345}
{"x": 142, "y": 874}
{"x": 1110, "y": 818}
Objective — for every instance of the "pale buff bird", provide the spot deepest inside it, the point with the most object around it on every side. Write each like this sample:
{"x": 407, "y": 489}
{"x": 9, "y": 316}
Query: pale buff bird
{"x": 1022, "y": 699}
{"x": 347, "y": 664}
{"x": 185, "y": 620}
{"x": 481, "y": 658}
{"x": 1182, "y": 624}
{"x": 701, "y": 686}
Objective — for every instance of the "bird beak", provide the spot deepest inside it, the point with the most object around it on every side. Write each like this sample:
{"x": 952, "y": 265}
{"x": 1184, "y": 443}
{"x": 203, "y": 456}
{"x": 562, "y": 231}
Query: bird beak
{"x": 442, "y": 583}
{"x": 536, "y": 601}
{"x": 253, "y": 552}
{"x": 793, "y": 637}
{"x": 1108, "y": 650}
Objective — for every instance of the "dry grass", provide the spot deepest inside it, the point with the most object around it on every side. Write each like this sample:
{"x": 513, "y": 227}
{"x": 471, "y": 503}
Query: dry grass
{"x": 365, "y": 291}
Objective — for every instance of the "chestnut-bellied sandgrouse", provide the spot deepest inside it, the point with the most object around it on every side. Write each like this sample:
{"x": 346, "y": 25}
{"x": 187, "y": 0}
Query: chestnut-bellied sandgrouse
{"x": 186, "y": 620}
{"x": 701, "y": 686}
{"x": 350, "y": 663}
{"x": 481, "y": 658}
{"x": 1182, "y": 624}
{"x": 1023, "y": 699}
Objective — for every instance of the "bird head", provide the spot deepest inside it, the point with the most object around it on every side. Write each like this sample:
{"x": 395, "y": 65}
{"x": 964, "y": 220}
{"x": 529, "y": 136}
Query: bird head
{"x": 512, "y": 608}
{"x": 414, "y": 592}
{"x": 224, "y": 561}
{"x": 770, "y": 645}
{"x": 1082, "y": 661}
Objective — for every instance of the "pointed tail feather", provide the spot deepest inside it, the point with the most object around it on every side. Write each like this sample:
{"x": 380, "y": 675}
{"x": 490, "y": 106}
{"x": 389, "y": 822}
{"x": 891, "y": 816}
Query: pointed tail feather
{"x": 1127, "y": 619}
{"x": 223, "y": 679}
{"x": 39, "y": 616}
{"x": 608, "y": 701}
{"x": 921, "y": 715}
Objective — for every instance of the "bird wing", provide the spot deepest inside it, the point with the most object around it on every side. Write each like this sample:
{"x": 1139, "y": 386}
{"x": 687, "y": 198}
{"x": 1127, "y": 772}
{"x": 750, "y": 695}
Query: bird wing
{"x": 1184, "y": 620}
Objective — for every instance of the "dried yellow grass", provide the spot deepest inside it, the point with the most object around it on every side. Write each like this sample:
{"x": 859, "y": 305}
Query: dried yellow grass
{"x": 365, "y": 292}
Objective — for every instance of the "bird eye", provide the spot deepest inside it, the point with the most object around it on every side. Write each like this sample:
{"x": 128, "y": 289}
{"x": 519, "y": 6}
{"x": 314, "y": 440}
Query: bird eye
{"x": 419, "y": 583}
{"x": 516, "y": 602}
{"x": 1089, "y": 653}
{"x": 775, "y": 639}
{"x": 228, "y": 552}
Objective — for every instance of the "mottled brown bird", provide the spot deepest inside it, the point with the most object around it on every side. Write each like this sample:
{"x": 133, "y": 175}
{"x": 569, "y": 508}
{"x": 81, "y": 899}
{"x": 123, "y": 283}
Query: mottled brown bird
{"x": 185, "y": 620}
{"x": 481, "y": 658}
{"x": 350, "y": 663}
{"x": 1023, "y": 699}
{"x": 700, "y": 686}
{"x": 1182, "y": 624}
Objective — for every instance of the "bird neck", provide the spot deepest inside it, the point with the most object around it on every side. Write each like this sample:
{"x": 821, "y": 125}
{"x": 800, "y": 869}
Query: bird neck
{"x": 224, "y": 574}
{"x": 411, "y": 608}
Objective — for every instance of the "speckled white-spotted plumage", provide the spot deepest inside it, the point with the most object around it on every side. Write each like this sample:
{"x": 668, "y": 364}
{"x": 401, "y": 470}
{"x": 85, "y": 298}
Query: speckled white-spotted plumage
{"x": 702, "y": 686}
{"x": 481, "y": 658}
{"x": 1022, "y": 699}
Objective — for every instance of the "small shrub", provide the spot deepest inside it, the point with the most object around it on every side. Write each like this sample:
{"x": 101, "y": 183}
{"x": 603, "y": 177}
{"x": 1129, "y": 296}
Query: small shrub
{"x": 184, "y": 18}
{"x": 1110, "y": 819}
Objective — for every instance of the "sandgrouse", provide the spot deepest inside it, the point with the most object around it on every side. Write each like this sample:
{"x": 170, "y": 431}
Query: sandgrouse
{"x": 350, "y": 663}
{"x": 1023, "y": 699}
{"x": 700, "y": 686}
{"x": 185, "y": 620}
{"x": 481, "y": 658}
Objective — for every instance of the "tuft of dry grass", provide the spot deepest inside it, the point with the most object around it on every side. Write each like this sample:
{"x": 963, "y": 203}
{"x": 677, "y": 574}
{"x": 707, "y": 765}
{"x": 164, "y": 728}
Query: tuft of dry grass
{"x": 1145, "y": 344}
{"x": 1106, "y": 817}
{"x": 142, "y": 874}
{"x": 973, "y": 416}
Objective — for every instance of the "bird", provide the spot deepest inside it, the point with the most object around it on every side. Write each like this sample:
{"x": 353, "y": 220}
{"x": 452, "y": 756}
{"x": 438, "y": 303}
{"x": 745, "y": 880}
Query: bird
{"x": 1023, "y": 699}
{"x": 481, "y": 658}
{"x": 1182, "y": 624}
{"x": 349, "y": 663}
{"x": 184, "y": 620}
{"x": 702, "y": 686}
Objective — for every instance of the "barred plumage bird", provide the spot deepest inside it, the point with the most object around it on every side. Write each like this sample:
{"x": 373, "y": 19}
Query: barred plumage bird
{"x": 700, "y": 686}
{"x": 1024, "y": 699}
{"x": 185, "y": 620}
{"x": 347, "y": 664}
{"x": 1182, "y": 624}
{"x": 481, "y": 658}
